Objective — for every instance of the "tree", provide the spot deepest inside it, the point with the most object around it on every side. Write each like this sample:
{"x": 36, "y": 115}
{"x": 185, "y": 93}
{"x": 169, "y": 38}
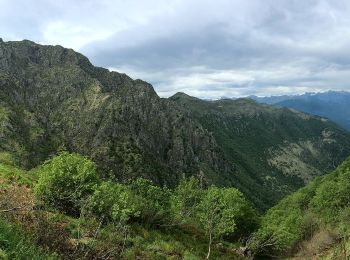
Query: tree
{"x": 185, "y": 200}
{"x": 219, "y": 212}
{"x": 66, "y": 181}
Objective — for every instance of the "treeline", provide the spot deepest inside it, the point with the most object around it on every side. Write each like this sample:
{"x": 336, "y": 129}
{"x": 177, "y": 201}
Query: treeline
{"x": 71, "y": 184}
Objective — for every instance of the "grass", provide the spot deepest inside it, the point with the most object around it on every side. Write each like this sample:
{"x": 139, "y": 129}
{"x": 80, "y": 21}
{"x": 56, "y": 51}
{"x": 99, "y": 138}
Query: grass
{"x": 15, "y": 244}
{"x": 10, "y": 174}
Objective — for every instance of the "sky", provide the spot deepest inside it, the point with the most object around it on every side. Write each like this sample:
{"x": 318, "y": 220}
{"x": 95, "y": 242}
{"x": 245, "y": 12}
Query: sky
{"x": 208, "y": 49}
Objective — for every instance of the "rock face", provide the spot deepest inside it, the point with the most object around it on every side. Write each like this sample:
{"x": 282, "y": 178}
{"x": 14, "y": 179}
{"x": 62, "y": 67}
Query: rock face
{"x": 52, "y": 98}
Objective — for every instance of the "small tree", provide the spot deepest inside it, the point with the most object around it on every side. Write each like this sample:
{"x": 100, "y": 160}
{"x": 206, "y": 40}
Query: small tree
{"x": 219, "y": 211}
{"x": 65, "y": 181}
{"x": 185, "y": 200}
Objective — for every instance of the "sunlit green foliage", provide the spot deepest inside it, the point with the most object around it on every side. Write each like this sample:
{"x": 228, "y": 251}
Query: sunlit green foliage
{"x": 69, "y": 184}
{"x": 220, "y": 211}
{"x": 113, "y": 202}
{"x": 185, "y": 200}
{"x": 66, "y": 181}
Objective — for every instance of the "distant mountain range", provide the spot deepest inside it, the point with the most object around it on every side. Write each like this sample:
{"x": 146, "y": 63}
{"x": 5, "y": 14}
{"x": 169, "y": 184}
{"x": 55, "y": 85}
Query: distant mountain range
{"x": 334, "y": 105}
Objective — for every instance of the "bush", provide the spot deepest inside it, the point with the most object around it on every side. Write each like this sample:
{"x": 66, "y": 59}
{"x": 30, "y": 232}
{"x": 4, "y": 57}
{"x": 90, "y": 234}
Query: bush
{"x": 279, "y": 233}
{"x": 113, "y": 202}
{"x": 151, "y": 201}
{"x": 66, "y": 181}
{"x": 333, "y": 195}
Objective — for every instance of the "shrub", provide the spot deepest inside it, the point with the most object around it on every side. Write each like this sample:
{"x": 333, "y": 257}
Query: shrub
{"x": 278, "y": 234}
{"x": 286, "y": 224}
{"x": 113, "y": 202}
{"x": 65, "y": 182}
{"x": 151, "y": 201}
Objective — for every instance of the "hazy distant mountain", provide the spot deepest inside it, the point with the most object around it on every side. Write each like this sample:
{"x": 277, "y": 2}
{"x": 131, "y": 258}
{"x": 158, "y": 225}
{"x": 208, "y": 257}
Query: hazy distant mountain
{"x": 271, "y": 99}
{"x": 332, "y": 104}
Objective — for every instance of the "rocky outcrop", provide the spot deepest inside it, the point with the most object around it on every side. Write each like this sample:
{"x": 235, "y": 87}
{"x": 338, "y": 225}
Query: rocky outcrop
{"x": 57, "y": 99}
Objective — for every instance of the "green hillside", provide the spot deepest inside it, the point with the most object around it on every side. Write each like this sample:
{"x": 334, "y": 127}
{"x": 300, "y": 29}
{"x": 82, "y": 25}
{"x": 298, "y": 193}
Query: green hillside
{"x": 54, "y": 99}
{"x": 312, "y": 222}
{"x": 94, "y": 165}
{"x": 277, "y": 150}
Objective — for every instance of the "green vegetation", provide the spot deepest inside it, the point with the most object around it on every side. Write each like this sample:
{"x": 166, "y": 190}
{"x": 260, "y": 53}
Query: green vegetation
{"x": 275, "y": 151}
{"x": 221, "y": 211}
{"x": 322, "y": 207}
{"x": 84, "y": 216}
{"x": 54, "y": 99}
{"x": 149, "y": 178}
{"x": 66, "y": 181}
{"x": 14, "y": 244}
{"x": 113, "y": 202}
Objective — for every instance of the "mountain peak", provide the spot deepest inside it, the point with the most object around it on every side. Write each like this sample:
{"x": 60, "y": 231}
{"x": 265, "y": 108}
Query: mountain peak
{"x": 181, "y": 95}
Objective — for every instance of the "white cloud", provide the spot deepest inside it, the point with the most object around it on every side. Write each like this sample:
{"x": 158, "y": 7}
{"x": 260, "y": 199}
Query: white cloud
{"x": 71, "y": 35}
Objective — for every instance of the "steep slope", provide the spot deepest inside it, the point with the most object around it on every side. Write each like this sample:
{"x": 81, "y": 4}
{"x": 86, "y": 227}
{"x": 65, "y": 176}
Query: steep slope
{"x": 52, "y": 98}
{"x": 310, "y": 221}
{"x": 280, "y": 149}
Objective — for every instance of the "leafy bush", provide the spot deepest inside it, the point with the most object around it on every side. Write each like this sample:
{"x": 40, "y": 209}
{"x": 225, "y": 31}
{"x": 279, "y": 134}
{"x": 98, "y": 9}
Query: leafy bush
{"x": 69, "y": 182}
{"x": 284, "y": 225}
{"x": 113, "y": 202}
{"x": 65, "y": 182}
{"x": 151, "y": 201}
{"x": 333, "y": 194}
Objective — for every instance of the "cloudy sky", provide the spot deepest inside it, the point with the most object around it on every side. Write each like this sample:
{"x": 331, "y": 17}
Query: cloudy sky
{"x": 209, "y": 49}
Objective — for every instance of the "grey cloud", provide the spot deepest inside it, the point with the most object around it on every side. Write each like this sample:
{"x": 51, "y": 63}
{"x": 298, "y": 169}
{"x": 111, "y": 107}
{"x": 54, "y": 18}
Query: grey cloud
{"x": 206, "y": 48}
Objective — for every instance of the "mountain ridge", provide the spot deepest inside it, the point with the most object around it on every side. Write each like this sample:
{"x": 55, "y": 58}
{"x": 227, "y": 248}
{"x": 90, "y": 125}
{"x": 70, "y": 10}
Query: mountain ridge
{"x": 281, "y": 148}
{"x": 330, "y": 104}
{"x": 53, "y": 99}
